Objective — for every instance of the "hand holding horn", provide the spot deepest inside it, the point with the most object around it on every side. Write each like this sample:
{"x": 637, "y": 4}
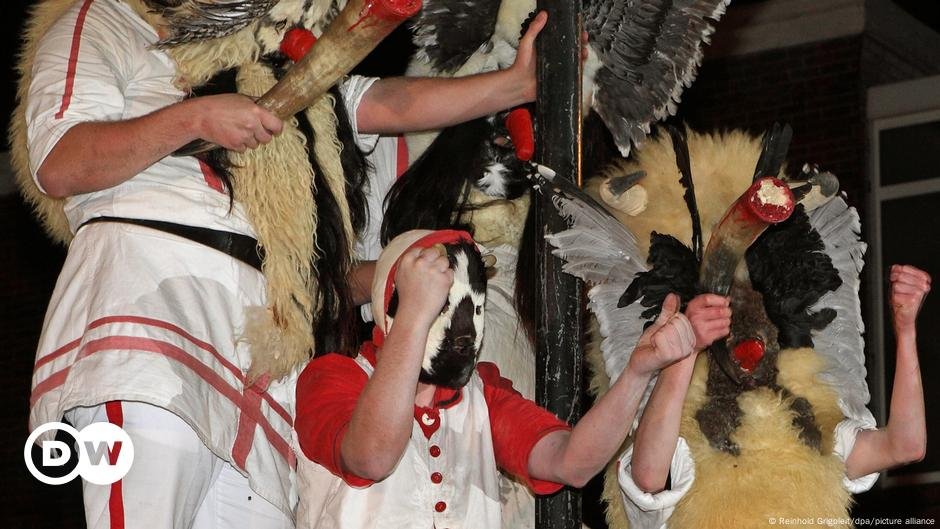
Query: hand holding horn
{"x": 352, "y": 35}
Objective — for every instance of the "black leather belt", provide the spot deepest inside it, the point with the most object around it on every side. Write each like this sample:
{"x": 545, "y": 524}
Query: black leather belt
{"x": 239, "y": 246}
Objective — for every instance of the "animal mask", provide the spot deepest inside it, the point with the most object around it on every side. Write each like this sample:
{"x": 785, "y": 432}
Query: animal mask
{"x": 453, "y": 344}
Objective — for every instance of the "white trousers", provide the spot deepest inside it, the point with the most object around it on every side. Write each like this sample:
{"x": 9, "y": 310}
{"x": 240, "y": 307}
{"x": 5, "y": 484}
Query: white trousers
{"x": 175, "y": 482}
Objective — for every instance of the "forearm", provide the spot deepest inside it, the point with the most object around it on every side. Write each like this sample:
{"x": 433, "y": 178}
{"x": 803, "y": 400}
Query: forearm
{"x": 98, "y": 155}
{"x": 380, "y": 426}
{"x": 597, "y": 436}
{"x": 408, "y": 104}
{"x": 658, "y": 431}
{"x": 904, "y": 438}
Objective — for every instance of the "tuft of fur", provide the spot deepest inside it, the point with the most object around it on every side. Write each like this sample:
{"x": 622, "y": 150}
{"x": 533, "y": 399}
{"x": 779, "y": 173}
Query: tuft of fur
{"x": 272, "y": 183}
{"x": 496, "y": 221}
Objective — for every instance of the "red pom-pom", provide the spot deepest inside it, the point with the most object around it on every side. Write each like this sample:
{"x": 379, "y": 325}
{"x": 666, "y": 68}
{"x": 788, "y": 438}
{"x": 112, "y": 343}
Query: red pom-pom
{"x": 519, "y": 124}
{"x": 748, "y": 353}
{"x": 297, "y": 42}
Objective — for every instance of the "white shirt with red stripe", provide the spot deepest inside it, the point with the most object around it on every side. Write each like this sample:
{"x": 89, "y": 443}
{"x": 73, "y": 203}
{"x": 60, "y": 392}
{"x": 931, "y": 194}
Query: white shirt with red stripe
{"x": 447, "y": 476}
{"x": 137, "y": 314}
{"x": 97, "y": 63}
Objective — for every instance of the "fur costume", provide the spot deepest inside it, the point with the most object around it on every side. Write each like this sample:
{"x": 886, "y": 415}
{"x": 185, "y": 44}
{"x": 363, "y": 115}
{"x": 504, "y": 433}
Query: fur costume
{"x": 770, "y": 464}
{"x": 272, "y": 182}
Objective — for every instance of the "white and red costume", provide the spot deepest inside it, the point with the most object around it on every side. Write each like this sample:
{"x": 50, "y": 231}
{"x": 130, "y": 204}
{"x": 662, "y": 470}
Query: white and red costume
{"x": 144, "y": 316}
{"x": 448, "y": 475}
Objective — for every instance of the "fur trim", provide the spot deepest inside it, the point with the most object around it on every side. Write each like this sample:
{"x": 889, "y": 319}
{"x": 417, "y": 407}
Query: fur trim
{"x": 48, "y": 210}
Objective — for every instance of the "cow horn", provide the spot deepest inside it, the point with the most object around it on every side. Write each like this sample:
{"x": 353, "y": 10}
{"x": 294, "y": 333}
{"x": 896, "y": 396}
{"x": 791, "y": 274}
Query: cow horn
{"x": 350, "y": 37}
{"x": 768, "y": 201}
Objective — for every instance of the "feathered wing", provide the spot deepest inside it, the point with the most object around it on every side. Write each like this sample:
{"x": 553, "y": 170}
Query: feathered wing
{"x": 448, "y": 32}
{"x": 841, "y": 343}
{"x": 196, "y": 20}
{"x": 601, "y": 251}
{"x": 648, "y": 52}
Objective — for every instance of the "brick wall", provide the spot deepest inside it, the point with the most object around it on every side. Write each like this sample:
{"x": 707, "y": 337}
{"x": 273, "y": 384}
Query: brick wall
{"x": 813, "y": 87}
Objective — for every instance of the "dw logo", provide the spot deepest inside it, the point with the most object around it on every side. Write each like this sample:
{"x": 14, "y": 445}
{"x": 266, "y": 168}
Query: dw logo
{"x": 105, "y": 453}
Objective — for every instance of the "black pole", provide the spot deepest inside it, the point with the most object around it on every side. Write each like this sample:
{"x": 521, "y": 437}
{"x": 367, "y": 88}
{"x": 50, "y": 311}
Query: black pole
{"x": 558, "y": 142}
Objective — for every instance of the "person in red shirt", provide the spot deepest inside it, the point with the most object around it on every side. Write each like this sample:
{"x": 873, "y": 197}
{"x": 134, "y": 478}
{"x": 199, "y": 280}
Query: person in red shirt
{"x": 412, "y": 432}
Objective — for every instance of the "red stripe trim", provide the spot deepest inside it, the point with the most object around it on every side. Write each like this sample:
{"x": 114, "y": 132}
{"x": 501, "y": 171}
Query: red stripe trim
{"x": 53, "y": 381}
{"x": 142, "y": 320}
{"x": 57, "y": 353}
{"x": 116, "y": 499}
{"x": 245, "y": 435}
{"x": 73, "y": 59}
{"x": 401, "y": 157}
{"x": 205, "y": 346}
{"x": 180, "y": 355}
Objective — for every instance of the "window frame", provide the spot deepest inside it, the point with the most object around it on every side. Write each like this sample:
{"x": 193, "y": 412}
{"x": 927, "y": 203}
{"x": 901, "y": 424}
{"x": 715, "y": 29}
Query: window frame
{"x": 889, "y": 107}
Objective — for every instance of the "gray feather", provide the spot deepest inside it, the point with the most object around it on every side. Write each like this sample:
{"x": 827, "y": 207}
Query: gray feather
{"x": 649, "y": 51}
{"x": 603, "y": 252}
{"x": 197, "y": 20}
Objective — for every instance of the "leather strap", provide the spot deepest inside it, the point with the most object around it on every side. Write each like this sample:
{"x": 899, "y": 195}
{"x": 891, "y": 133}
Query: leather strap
{"x": 239, "y": 246}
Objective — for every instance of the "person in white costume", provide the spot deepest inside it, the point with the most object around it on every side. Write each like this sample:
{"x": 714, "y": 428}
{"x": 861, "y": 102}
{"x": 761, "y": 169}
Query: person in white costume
{"x": 143, "y": 327}
{"x": 659, "y": 453}
{"x": 412, "y": 431}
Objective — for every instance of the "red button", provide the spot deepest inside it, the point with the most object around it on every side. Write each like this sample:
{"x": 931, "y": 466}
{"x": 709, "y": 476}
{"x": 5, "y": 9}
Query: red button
{"x": 435, "y": 451}
{"x": 437, "y": 477}
{"x": 440, "y": 506}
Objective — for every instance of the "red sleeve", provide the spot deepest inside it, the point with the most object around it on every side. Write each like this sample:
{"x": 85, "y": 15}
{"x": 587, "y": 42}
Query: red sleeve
{"x": 517, "y": 425}
{"x": 327, "y": 391}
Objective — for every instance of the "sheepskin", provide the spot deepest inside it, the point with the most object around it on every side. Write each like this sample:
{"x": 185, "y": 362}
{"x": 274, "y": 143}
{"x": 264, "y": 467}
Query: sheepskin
{"x": 776, "y": 475}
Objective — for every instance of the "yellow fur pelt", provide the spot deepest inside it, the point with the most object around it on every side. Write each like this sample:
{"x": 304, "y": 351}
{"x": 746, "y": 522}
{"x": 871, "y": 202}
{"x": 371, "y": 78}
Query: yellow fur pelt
{"x": 776, "y": 475}
{"x": 273, "y": 183}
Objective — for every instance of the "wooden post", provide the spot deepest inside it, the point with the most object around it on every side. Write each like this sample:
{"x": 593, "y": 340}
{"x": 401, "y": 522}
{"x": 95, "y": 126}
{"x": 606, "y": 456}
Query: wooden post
{"x": 558, "y": 143}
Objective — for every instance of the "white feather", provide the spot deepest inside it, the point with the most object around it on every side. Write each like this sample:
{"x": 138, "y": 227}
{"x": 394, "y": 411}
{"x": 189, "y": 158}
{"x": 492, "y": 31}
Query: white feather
{"x": 603, "y": 252}
{"x": 841, "y": 344}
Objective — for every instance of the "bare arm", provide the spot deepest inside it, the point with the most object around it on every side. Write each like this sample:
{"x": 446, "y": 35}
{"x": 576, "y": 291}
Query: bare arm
{"x": 904, "y": 439}
{"x": 658, "y": 431}
{"x": 577, "y": 456}
{"x": 408, "y": 104}
{"x": 381, "y": 424}
{"x": 97, "y": 155}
